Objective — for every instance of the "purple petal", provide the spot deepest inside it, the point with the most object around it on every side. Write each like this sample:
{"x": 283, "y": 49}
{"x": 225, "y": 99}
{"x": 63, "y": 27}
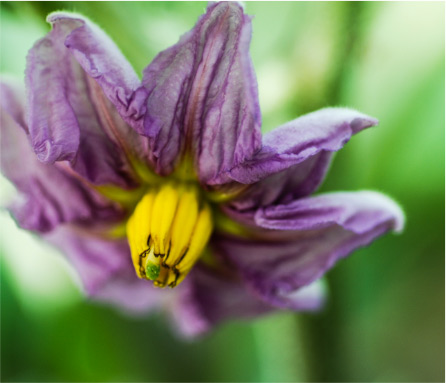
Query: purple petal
{"x": 69, "y": 116}
{"x": 306, "y": 238}
{"x": 95, "y": 259}
{"x": 102, "y": 60}
{"x": 185, "y": 314}
{"x": 358, "y": 212}
{"x": 326, "y": 130}
{"x": 130, "y": 294}
{"x": 48, "y": 196}
{"x": 212, "y": 297}
{"x": 12, "y": 96}
{"x": 307, "y": 298}
{"x": 287, "y": 185}
{"x": 203, "y": 96}
{"x": 106, "y": 270}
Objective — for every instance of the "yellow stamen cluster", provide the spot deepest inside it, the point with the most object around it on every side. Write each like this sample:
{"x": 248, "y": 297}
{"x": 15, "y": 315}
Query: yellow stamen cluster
{"x": 167, "y": 233}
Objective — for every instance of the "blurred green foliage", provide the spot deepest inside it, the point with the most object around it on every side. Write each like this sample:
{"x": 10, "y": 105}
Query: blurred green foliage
{"x": 385, "y": 317}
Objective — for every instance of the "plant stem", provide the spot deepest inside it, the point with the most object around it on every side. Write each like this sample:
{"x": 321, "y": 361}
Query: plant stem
{"x": 281, "y": 356}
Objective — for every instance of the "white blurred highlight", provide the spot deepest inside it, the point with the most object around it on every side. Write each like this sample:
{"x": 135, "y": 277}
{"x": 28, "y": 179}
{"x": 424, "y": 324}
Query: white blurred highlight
{"x": 40, "y": 277}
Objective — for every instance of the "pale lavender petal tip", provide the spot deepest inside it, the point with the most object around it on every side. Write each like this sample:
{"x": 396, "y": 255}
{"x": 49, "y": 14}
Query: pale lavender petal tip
{"x": 306, "y": 298}
{"x": 326, "y": 130}
{"x": 102, "y": 60}
{"x": 76, "y": 79}
{"x": 354, "y": 211}
{"x": 311, "y": 234}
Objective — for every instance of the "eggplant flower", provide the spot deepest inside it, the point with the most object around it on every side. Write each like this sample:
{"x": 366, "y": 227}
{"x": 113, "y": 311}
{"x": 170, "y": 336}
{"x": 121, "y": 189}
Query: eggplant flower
{"x": 168, "y": 181}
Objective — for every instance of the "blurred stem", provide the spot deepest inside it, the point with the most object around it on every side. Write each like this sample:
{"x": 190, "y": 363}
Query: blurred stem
{"x": 280, "y": 349}
{"x": 349, "y": 42}
{"x": 323, "y": 330}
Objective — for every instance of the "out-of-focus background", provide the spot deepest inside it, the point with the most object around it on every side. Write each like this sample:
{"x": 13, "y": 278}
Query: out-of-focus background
{"x": 384, "y": 320}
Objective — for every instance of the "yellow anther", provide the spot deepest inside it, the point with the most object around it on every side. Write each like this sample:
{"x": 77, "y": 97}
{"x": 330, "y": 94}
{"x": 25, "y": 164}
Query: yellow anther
{"x": 138, "y": 227}
{"x": 168, "y": 232}
{"x": 164, "y": 209}
{"x": 183, "y": 226}
{"x": 200, "y": 237}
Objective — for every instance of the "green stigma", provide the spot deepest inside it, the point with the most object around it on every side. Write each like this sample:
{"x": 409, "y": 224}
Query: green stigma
{"x": 152, "y": 271}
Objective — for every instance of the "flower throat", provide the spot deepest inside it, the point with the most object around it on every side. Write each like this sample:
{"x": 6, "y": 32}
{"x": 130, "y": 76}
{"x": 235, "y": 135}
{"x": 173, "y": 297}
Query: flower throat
{"x": 167, "y": 233}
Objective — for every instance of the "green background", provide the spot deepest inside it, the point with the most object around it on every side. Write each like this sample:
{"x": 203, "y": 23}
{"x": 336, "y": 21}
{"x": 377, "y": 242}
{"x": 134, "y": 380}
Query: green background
{"x": 384, "y": 320}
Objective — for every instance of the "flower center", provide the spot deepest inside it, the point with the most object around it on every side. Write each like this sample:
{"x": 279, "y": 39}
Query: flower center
{"x": 167, "y": 233}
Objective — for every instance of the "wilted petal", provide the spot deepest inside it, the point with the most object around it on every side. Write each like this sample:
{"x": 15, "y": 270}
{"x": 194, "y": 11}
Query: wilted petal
{"x": 48, "y": 195}
{"x": 212, "y": 297}
{"x": 131, "y": 294}
{"x": 307, "y": 298}
{"x": 310, "y": 234}
{"x": 96, "y": 259}
{"x": 203, "y": 95}
{"x": 296, "y": 142}
{"x": 105, "y": 269}
{"x": 69, "y": 116}
{"x": 102, "y": 60}
{"x": 287, "y": 185}
{"x": 12, "y": 102}
{"x": 358, "y": 212}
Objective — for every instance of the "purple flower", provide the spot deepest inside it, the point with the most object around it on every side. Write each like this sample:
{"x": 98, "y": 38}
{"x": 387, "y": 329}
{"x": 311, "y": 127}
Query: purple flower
{"x": 168, "y": 181}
